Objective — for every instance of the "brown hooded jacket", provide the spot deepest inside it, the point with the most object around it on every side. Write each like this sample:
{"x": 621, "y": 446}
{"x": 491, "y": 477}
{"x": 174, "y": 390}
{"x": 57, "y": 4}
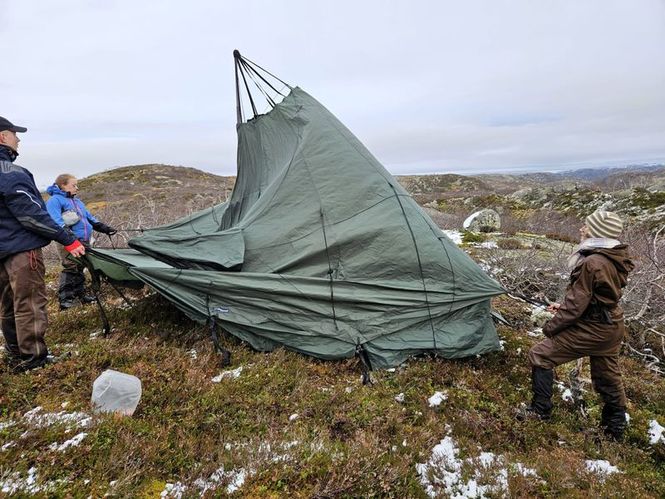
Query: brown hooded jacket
{"x": 592, "y": 297}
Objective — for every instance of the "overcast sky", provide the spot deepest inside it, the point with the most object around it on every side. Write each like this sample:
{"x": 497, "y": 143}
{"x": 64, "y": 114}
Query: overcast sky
{"x": 428, "y": 86}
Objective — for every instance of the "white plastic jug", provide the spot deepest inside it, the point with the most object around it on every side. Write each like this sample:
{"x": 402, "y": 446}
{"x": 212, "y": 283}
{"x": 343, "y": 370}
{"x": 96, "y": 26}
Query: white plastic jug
{"x": 114, "y": 391}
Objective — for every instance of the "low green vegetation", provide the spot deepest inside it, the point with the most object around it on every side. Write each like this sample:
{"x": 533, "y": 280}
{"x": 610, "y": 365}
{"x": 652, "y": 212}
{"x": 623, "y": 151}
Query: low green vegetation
{"x": 470, "y": 237}
{"x": 290, "y": 425}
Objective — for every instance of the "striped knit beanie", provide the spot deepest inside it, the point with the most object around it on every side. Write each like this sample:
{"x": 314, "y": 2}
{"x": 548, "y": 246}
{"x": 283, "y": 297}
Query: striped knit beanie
{"x": 603, "y": 223}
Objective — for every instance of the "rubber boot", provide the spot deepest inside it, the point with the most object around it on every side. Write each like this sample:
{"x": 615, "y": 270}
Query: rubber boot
{"x": 613, "y": 421}
{"x": 541, "y": 403}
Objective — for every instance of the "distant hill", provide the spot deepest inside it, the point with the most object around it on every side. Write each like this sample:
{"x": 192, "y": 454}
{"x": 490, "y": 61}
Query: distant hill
{"x": 600, "y": 174}
{"x": 159, "y": 183}
{"x": 162, "y": 193}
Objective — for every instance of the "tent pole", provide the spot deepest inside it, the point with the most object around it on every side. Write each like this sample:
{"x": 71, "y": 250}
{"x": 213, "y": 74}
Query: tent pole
{"x": 236, "y": 56}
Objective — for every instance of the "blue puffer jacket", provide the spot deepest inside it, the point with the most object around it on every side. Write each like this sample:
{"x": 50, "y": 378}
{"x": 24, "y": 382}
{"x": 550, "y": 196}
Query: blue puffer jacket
{"x": 24, "y": 222}
{"x": 61, "y": 201}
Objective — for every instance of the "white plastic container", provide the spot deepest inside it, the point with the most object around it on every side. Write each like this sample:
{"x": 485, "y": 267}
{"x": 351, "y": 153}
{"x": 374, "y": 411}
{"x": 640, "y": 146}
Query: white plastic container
{"x": 114, "y": 391}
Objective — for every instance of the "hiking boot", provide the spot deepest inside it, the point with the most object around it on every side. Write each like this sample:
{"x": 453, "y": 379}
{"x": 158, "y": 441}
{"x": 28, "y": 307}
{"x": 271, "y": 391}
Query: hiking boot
{"x": 44, "y": 362}
{"x": 85, "y": 299}
{"x": 529, "y": 412}
{"x": 67, "y": 304}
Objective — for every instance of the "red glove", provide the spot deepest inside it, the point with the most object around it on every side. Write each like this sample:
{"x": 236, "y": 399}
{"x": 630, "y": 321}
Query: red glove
{"x": 74, "y": 246}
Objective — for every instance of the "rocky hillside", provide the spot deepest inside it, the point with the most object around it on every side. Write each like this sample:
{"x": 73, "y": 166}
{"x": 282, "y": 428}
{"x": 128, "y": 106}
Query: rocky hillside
{"x": 173, "y": 191}
{"x": 159, "y": 183}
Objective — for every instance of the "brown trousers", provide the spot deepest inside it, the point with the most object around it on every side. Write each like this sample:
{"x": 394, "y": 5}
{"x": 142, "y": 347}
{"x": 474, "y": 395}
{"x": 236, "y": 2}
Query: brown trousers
{"x": 23, "y": 316}
{"x": 602, "y": 348}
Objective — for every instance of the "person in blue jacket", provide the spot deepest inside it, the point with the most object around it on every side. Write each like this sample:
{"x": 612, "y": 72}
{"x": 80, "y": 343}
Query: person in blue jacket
{"x": 70, "y": 213}
{"x": 25, "y": 227}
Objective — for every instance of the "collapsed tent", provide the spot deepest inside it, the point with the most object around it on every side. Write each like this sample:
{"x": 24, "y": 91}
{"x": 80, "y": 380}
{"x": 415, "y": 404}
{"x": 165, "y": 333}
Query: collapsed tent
{"x": 319, "y": 249}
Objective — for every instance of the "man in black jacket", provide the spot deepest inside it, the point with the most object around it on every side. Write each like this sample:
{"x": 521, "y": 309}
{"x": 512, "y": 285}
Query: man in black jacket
{"x": 25, "y": 227}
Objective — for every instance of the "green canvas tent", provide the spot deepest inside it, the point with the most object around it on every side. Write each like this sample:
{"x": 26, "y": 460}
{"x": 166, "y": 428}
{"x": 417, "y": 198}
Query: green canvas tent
{"x": 319, "y": 249}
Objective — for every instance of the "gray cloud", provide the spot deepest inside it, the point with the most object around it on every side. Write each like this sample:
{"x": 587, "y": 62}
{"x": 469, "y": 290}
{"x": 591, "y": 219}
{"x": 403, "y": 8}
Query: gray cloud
{"x": 429, "y": 86}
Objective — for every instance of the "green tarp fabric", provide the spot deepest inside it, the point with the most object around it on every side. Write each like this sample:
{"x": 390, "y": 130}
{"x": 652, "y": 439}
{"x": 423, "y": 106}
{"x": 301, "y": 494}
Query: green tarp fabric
{"x": 320, "y": 250}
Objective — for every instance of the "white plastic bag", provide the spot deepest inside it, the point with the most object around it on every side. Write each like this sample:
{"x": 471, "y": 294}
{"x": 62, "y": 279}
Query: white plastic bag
{"x": 114, "y": 391}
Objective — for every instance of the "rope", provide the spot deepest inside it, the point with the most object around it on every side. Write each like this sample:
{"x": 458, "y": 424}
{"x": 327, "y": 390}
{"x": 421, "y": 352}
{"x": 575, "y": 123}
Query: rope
{"x": 32, "y": 256}
{"x": 267, "y": 72}
{"x": 245, "y": 68}
{"x": 265, "y": 94}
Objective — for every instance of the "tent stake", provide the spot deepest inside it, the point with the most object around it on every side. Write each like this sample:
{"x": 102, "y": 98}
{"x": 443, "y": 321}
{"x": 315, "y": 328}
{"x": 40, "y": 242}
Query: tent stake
{"x": 365, "y": 365}
{"x": 226, "y": 354}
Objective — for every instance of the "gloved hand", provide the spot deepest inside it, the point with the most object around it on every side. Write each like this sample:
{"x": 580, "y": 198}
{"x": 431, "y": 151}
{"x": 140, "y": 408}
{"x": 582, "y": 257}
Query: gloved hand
{"x": 106, "y": 229}
{"x": 76, "y": 248}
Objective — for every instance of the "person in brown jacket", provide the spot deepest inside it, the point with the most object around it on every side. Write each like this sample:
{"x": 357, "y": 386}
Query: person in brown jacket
{"x": 589, "y": 322}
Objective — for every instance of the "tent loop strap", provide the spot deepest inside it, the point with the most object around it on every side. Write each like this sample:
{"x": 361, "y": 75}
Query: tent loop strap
{"x": 330, "y": 269}
{"x": 212, "y": 322}
{"x": 365, "y": 364}
{"x": 96, "y": 289}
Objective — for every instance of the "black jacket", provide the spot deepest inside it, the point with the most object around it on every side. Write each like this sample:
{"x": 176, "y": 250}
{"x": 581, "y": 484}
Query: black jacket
{"x": 24, "y": 222}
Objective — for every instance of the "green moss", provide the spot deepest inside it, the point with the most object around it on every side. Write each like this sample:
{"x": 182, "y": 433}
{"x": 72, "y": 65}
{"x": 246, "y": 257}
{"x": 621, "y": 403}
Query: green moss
{"x": 469, "y": 237}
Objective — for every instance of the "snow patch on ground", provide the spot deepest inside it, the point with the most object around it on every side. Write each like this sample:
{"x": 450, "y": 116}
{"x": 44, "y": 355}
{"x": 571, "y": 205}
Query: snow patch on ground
{"x": 7, "y": 424}
{"x": 454, "y": 235}
{"x": 233, "y": 480}
{"x": 437, "y": 398}
{"x": 566, "y": 393}
{"x": 601, "y": 467}
{"x": 8, "y": 446}
{"x": 233, "y": 374}
{"x": 174, "y": 490}
{"x": 656, "y": 433}
{"x": 73, "y": 442}
{"x": 16, "y": 483}
{"x": 39, "y": 419}
{"x": 444, "y": 474}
